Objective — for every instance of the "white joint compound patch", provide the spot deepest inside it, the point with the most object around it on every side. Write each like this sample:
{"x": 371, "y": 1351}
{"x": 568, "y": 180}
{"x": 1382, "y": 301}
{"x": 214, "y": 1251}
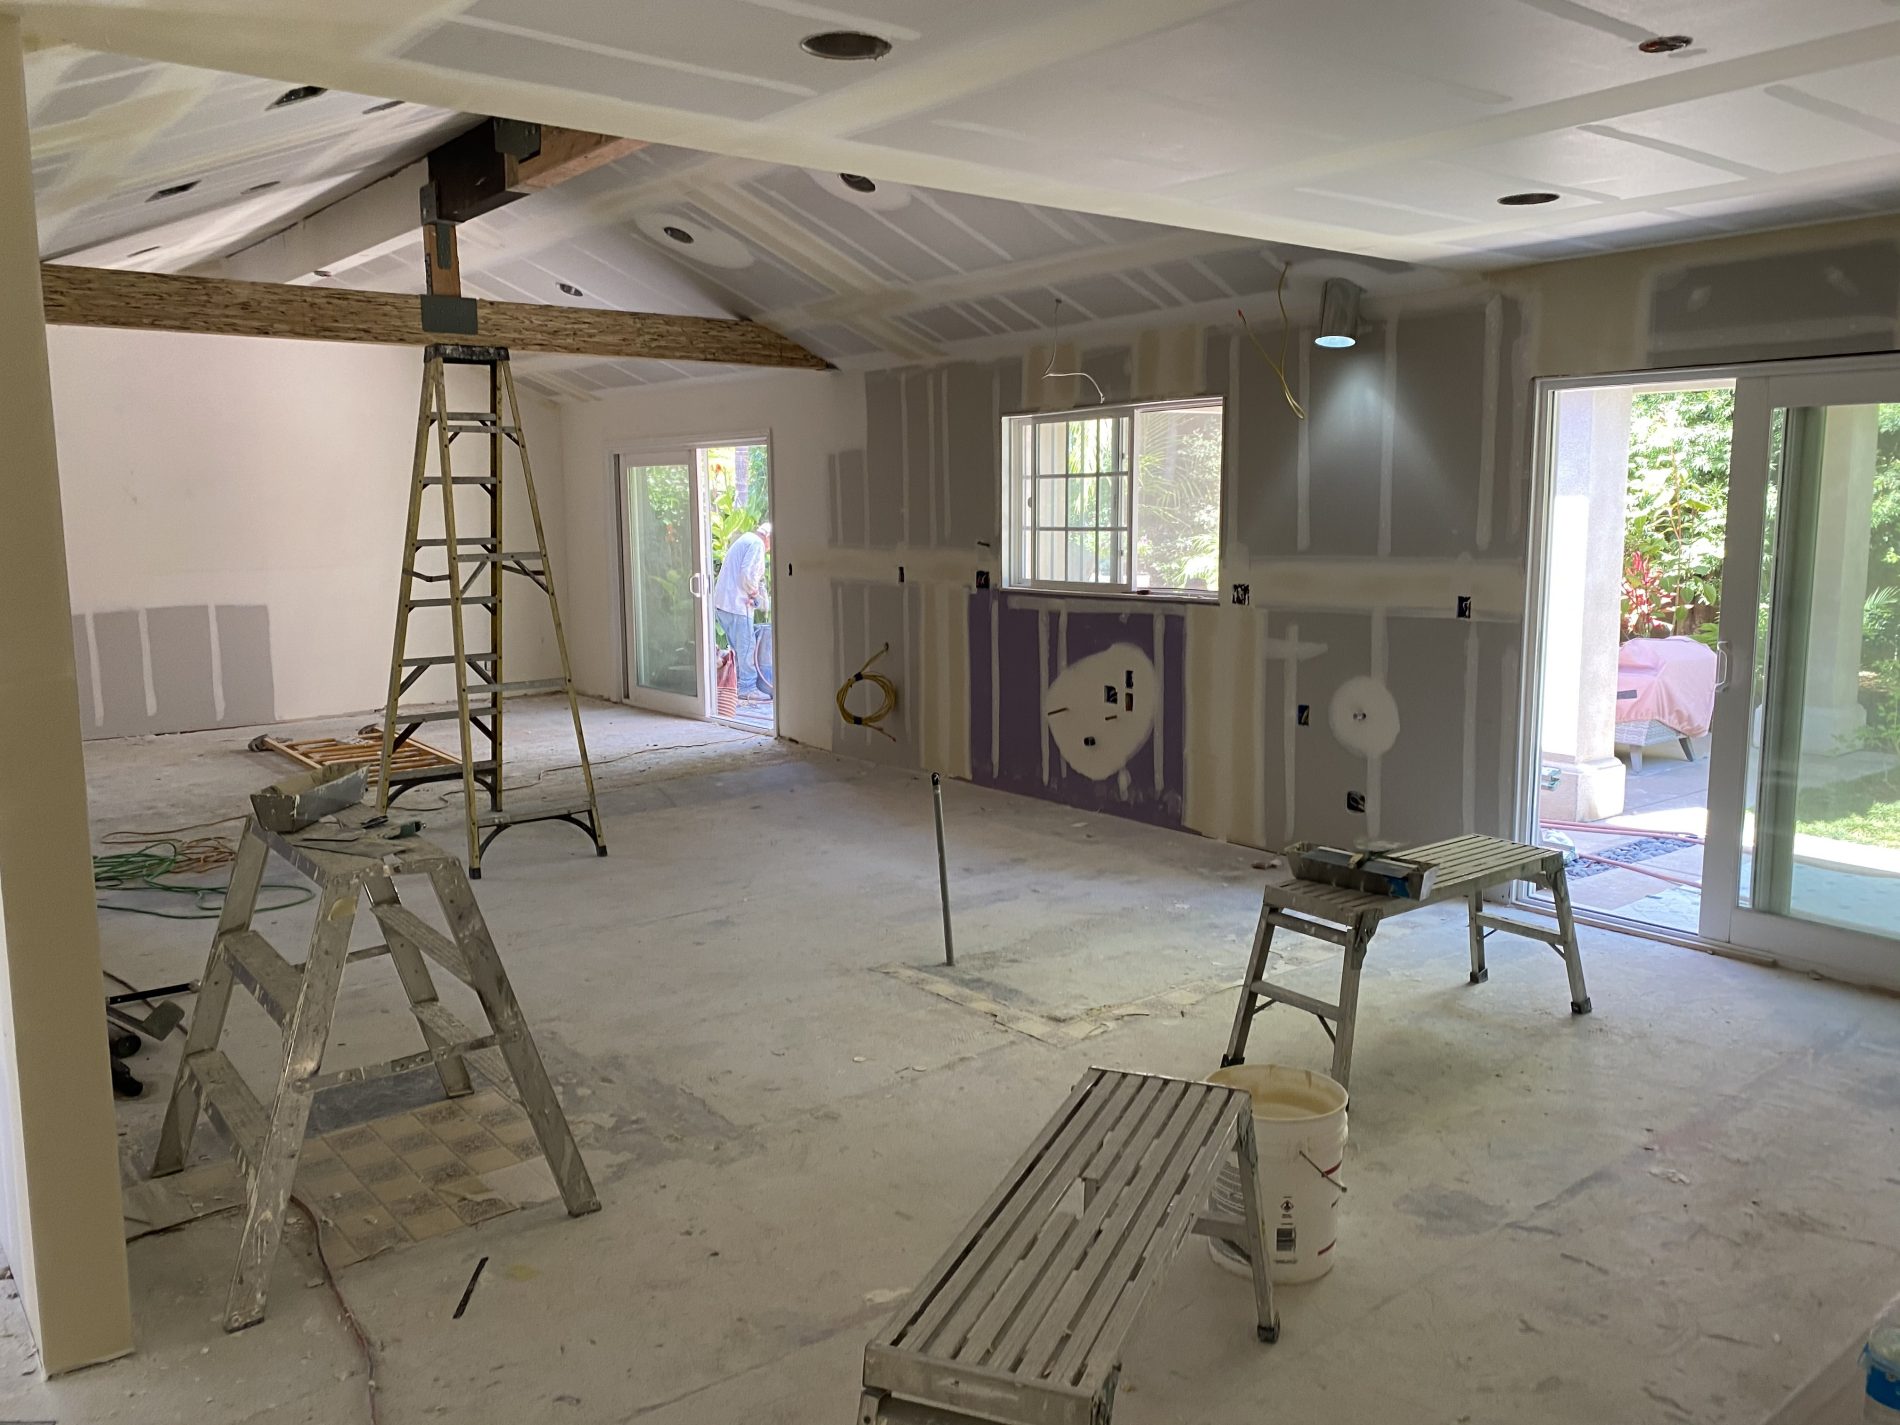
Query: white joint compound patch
{"x": 1364, "y": 717}
{"x": 1102, "y": 709}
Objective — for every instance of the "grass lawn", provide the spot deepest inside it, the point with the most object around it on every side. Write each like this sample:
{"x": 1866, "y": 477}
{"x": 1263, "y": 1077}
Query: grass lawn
{"x": 1866, "y": 813}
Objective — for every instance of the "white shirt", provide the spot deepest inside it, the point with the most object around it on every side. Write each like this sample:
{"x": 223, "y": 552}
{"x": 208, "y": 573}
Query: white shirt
{"x": 742, "y": 576}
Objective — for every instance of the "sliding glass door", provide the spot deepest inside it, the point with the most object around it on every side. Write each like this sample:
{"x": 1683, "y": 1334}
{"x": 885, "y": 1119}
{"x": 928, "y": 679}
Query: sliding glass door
{"x": 666, "y": 584}
{"x": 1803, "y": 854}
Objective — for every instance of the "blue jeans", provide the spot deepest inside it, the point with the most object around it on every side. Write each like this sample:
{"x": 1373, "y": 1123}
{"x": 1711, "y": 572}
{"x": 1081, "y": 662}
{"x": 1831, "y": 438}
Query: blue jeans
{"x": 738, "y": 631}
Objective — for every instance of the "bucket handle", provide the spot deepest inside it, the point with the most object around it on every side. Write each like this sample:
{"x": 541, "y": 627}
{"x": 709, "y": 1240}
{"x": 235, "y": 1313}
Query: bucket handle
{"x": 1331, "y": 1180}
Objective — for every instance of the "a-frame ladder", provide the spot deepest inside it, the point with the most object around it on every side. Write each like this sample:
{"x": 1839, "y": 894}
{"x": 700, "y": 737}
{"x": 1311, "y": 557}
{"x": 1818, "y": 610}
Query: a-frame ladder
{"x": 468, "y": 563}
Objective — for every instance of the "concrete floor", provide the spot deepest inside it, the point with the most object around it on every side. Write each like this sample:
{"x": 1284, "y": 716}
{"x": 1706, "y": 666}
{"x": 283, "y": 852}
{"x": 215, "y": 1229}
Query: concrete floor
{"x": 1680, "y": 1208}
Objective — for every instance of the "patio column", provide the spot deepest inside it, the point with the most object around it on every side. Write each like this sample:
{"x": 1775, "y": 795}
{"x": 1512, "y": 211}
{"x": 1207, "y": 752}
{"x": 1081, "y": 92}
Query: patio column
{"x": 1582, "y": 610}
{"x": 1843, "y": 529}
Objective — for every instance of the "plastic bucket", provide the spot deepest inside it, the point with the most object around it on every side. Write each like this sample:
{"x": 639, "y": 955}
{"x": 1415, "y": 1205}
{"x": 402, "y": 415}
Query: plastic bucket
{"x": 1299, "y": 1127}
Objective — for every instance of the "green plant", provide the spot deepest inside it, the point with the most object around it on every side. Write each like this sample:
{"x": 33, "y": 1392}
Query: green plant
{"x": 1676, "y": 510}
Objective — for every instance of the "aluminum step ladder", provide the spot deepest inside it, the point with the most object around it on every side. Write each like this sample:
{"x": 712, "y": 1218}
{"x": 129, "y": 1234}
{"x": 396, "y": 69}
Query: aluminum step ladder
{"x": 469, "y": 562}
{"x": 346, "y": 862}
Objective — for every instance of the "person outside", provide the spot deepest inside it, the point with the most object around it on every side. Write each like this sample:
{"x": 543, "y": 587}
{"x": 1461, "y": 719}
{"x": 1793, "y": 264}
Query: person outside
{"x": 739, "y": 589}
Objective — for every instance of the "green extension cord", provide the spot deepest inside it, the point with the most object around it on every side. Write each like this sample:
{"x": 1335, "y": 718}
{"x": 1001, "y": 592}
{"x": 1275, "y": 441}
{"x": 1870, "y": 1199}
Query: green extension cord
{"x": 144, "y": 870}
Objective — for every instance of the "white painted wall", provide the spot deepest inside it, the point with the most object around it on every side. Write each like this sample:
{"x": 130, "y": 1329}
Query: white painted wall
{"x": 211, "y": 470}
{"x": 807, "y": 415}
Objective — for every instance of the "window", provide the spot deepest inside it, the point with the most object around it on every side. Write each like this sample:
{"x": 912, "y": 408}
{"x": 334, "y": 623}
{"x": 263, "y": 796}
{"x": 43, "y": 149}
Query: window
{"x": 1123, "y": 498}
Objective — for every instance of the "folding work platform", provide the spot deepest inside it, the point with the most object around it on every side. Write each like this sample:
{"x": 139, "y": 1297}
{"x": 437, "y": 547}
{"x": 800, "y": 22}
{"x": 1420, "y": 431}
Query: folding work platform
{"x": 1467, "y": 867}
{"x": 346, "y": 860}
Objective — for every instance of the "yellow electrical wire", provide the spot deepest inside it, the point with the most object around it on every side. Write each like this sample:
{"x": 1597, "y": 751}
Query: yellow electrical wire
{"x": 884, "y": 685}
{"x": 1286, "y": 333}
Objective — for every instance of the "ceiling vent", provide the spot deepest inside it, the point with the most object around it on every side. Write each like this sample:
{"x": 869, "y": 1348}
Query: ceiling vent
{"x": 384, "y": 107}
{"x": 677, "y": 234}
{"x": 1527, "y": 200}
{"x": 173, "y": 191}
{"x": 570, "y": 289}
{"x": 857, "y": 183}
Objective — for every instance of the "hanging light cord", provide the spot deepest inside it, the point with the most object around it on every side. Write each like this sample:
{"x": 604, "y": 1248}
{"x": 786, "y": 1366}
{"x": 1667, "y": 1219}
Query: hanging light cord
{"x": 1049, "y": 372}
{"x": 1286, "y": 333}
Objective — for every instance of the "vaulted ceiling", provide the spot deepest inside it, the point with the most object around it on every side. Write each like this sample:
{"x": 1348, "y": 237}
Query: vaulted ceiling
{"x": 1124, "y": 155}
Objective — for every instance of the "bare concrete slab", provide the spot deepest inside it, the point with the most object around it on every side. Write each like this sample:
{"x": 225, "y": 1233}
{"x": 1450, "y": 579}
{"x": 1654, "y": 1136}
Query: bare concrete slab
{"x": 1683, "y": 1207}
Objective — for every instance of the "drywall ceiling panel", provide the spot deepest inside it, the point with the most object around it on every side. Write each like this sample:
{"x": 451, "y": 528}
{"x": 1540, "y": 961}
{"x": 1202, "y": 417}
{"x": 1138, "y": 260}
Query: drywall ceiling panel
{"x": 1871, "y": 90}
{"x": 1190, "y": 280}
{"x": 1603, "y": 161}
{"x": 1727, "y": 27}
{"x": 1007, "y": 316}
{"x": 835, "y": 341}
{"x": 1103, "y": 297}
{"x": 867, "y": 234}
{"x": 1326, "y": 205}
{"x": 71, "y": 101}
{"x": 946, "y": 323}
{"x": 531, "y": 61}
{"x": 1752, "y": 131}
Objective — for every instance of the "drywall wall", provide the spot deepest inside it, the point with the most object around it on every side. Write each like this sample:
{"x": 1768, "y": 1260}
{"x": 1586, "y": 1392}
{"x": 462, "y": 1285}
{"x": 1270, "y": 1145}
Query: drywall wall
{"x": 59, "y": 1178}
{"x": 234, "y": 518}
{"x": 1381, "y": 549}
{"x": 1831, "y": 289}
{"x": 809, "y": 416}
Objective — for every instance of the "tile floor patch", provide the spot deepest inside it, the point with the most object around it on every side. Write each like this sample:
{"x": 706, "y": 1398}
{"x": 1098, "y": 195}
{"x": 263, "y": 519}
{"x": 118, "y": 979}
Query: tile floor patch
{"x": 376, "y": 1186}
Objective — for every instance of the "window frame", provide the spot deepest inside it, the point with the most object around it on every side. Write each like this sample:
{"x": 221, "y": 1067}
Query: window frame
{"x": 1021, "y": 531}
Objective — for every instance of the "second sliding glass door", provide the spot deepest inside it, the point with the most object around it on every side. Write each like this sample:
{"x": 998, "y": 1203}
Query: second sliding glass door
{"x": 1803, "y": 854}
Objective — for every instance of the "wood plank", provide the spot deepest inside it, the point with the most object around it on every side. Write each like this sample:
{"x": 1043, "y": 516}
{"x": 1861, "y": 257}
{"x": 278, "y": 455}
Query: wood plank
{"x": 565, "y": 154}
{"x": 155, "y": 301}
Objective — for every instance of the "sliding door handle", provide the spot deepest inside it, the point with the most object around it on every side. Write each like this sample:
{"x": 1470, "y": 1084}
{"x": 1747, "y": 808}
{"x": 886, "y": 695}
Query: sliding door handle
{"x": 697, "y": 585}
{"x": 1722, "y": 662}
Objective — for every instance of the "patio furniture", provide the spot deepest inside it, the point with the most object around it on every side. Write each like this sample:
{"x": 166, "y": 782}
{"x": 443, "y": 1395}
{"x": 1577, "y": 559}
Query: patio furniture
{"x": 1022, "y": 1321}
{"x": 1468, "y": 866}
{"x": 1665, "y": 692}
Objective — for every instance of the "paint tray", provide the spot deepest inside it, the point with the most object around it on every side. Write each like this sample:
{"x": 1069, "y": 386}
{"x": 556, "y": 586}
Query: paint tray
{"x": 1381, "y": 873}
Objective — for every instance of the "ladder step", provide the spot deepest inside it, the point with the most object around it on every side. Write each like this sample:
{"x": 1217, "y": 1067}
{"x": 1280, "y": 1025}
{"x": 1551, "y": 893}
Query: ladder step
{"x": 446, "y": 1026}
{"x": 466, "y": 539}
{"x": 435, "y": 660}
{"x": 485, "y": 600}
{"x": 232, "y": 1105}
{"x": 517, "y": 818}
{"x": 445, "y": 712}
{"x": 434, "y": 774}
{"x": 403, "y": 926}
{"x": 272, "y": 980}
{"x": 462, "y": 480}
{"x": 478, "y": 416}
{"x": 492, "y": 557}
{"x": 481, "y": 428}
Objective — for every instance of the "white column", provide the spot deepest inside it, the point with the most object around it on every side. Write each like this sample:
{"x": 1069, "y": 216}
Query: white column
{"x": 59, "y": 1174}
{"x": 1582, "y": 605}
{"x": 1843, "y": 528}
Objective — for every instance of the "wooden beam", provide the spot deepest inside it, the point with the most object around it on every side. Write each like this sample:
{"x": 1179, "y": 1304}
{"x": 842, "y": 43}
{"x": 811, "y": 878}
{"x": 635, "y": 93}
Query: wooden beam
{"x": 565, "y": 154}
{"x": 153, "y": 301}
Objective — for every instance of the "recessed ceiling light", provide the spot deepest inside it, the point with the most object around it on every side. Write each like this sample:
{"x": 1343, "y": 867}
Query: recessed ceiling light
{"x": 173, "y": 191}
{"x": 1527, "y": 200}
{"x": 857, "y": 182}
{"x": 267, "y": 184}
{"x": 845, "y": 44}
{"x": 297, "y": 95}
{"x": 570, "y": 289}
{"x": 383, "y": 107}
{"x": 141, "y": 252}
{"x": 1665, "y": 44}
{"x": 677, "y": 234}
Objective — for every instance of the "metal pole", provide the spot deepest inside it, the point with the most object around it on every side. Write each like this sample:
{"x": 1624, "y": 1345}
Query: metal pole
{"x": 943, "y": 870}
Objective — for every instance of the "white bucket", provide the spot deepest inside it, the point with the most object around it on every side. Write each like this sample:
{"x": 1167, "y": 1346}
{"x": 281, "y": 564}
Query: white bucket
{"x": 1299, "y": 1126}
